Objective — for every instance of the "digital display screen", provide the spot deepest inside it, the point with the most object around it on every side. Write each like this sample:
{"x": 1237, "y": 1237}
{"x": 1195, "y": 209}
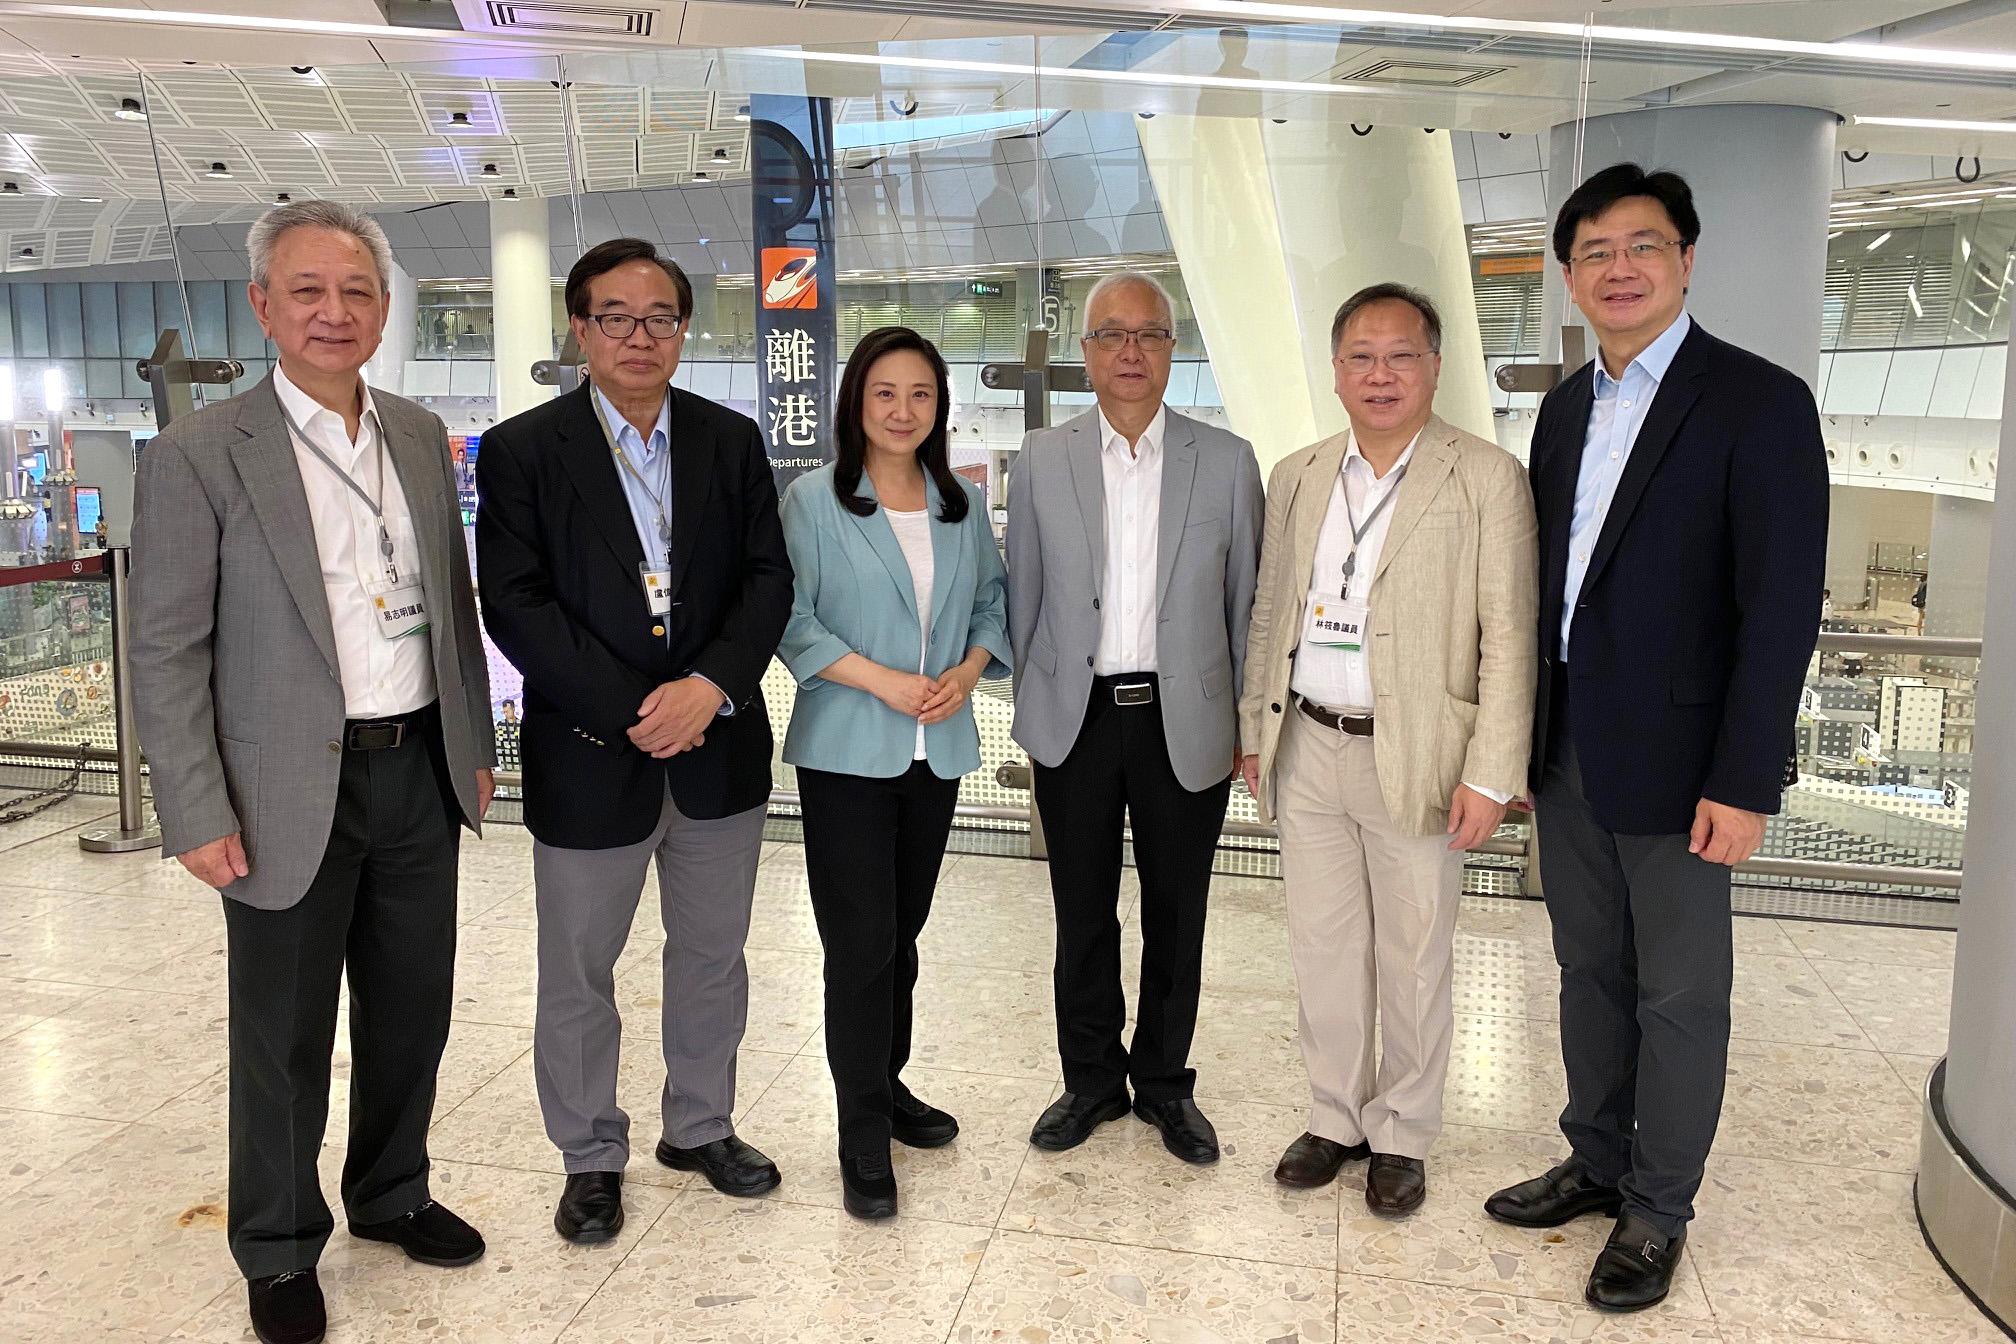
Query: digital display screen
{"x": 90, "y": 508}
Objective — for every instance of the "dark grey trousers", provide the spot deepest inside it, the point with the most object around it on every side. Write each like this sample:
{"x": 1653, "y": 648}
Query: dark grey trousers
{"x": 1641, "y": 931}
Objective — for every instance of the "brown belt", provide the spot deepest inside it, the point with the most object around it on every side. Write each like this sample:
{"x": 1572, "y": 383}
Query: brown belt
{"x": 1336, "y": 723}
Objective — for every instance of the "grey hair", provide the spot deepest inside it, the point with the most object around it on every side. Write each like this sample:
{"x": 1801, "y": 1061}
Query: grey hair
{"x": 1389, "y": 291}
{"x": 267, "y": 230}
{"x": 1117, "y": 280}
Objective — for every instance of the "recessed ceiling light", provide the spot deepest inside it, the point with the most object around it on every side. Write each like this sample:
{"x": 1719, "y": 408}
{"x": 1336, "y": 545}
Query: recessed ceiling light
{"x": 720, "y": 156}
{"x": 219, "y": 172}
{"x": 27, "y": 251}
{"x": 700, "y": 177}
{"x": 12, "y": 188}
{"x": 129, "y": 110}
{"x": 92, "y": 200}
{"x": 1940, "y": 124}
{"x": 490, "y": 170}
{"x": 510, "y": 193}
{"x": 458, "y": 121}
{"x": 282, "y": 199}
{"x": 742, "y": 112}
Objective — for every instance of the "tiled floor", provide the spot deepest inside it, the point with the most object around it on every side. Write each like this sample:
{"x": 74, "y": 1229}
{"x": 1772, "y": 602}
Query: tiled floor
{"x": 112, "y": 1145}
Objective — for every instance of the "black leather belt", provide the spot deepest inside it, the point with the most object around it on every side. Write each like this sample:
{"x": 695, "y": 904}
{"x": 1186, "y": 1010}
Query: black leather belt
{"x": 383, "y": 734}
{"x": 1336, "y": 723}
{"x": 1127, "y": 688}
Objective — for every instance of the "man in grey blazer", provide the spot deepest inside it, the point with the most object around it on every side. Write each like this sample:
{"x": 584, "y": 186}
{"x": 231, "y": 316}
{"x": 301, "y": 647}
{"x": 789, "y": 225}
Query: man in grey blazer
{"x": 314, "y": 703}
{"x": 1133, "y": 549}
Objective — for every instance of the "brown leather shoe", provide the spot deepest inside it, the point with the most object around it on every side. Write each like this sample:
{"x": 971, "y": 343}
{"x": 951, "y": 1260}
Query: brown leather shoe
{"x": 1313, "y": 1161}
{"x": 1395, "y": 1186}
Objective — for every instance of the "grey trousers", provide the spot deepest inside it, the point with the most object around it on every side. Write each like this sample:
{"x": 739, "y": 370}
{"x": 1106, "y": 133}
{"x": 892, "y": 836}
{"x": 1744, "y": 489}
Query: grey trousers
{"x": 587, "y": 899}
{"x": 1642, "y": 934}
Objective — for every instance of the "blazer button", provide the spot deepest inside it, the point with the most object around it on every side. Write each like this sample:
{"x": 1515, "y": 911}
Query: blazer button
{"x": 658, "y": 630}
{"x": 1088, "y": 662}
{"x": 1095, "y": 604}
{"x": 335, "y": 747}
{"x": 1275, "y": 708}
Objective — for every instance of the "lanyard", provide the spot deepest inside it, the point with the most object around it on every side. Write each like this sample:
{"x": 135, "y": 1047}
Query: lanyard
{"x": 1358, "y": 529}
{"x": 616, "y": 445}
{"x": 377, "y": 510}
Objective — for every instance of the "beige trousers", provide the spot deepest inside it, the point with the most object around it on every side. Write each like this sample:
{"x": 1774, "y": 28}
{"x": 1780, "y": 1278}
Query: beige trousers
{"x": 1371, "y": 926}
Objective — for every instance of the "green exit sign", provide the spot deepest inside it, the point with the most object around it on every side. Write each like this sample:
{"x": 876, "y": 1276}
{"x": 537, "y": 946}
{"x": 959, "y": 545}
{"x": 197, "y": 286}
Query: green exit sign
{"x": 984, "y": 289}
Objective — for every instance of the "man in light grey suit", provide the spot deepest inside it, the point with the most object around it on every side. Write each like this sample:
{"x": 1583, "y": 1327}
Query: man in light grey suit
{"x": 1133, "y": 548}
{"x": 314, "y": 702}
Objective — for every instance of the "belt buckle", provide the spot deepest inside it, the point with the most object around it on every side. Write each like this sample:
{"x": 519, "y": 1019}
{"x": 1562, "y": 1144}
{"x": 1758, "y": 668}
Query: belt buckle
{"x": 1134, "y": 693}
{"x": 373, "y": 736}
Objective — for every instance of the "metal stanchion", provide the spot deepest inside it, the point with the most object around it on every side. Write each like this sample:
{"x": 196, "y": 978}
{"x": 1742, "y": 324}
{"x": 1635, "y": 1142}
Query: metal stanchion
{"x": 134, "y": 832}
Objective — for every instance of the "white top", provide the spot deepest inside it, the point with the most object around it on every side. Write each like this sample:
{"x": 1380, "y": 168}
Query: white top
{"x": 380, "y": 676}
{"x": 1127, "y": 597}
{"x": 913, "y": 534}
{"x": 1341, "y": 679}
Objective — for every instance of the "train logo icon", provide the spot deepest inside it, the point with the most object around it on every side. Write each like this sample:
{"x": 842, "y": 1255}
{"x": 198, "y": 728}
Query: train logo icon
{"x": 790, "y": 277}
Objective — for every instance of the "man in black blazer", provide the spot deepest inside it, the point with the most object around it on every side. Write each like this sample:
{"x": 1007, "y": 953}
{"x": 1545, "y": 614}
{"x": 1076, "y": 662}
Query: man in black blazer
{"x": 1681, "y": 488}
{"x": 634, "y": 570}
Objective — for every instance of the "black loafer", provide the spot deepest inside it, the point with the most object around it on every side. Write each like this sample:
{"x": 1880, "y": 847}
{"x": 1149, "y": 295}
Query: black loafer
{"x": 868, "y": 1185}
{"x": 1313, "y": 1161}
{"x": 916, "y": 1125}
{"x": 1185, "y": 1131}
{"x": 1070, "y": 1120}
{"x": 1636, "y": 1267}
{"x": 730, "y": 1166}
{"x": 287, "y": 1308}
{"x": 1561, "y": 1196}
{"x": 591, "y": 1207}
{"x": 430, "y": 1234}
{"x": 1395, "y": 1185}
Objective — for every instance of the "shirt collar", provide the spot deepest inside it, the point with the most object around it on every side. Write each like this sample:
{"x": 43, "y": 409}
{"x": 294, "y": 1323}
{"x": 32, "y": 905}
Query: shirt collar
{"x": 1351, "y": 454}
{"x": 1112, "y": 440}
{"x": 626, "y": 433}
{"x": 305, "y": 409}
{"x": 1654, "y": 359}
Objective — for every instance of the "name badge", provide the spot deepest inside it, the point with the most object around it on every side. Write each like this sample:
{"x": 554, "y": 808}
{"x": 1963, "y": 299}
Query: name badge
{"x": 657, "y": 589}
{"x": 1333, "y": 623}
{"x": 400, "y": 609}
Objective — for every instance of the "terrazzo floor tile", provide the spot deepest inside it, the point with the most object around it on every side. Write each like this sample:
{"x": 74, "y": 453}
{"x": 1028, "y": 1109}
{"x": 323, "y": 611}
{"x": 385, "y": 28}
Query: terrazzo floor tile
{"x": 528, "y": 1285}
{"x": 1931, "y": 948}
{"x": 23, "y": 1003}
{"x": 1914, "y": 1070}
{"x": 1505, "y": 1073}
{"x": 1394, "y": 1311}
{"x": 1121, "y": 1185}
{"x": 41, "y": 1327}
{"x": 1450, "y": 1241}
{"x": 167, "y": 880}
{"x": 1014, "y": 1035}
{"x": 720, "y": 1271}
{"x": 1787, "y": 1000}
{"x": 1247, "y": 1048}
{"x": 1824, "y": 1251}
{"x": 973, "y": 926}
{"x": 1504, "y": 977}
{"x": 1247, "y": 950}
{"x": 128, "y": 1234}
{"x": 114, "y": 1056}
{"x": 966, "y": 1181}
{"x": 35, "y": 1143}
{"x": 1049, "y": 1290}
{"x": 781, "y": 915}
{"x": 96, "y": 940}
{"x": 1809, "y": 1104}
{"x": 1904, "y": 1009}
{"x": 499, "y": 1123}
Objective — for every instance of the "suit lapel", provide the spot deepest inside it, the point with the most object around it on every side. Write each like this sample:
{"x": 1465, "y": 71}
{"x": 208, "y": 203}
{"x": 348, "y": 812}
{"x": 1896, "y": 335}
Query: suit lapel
{"x": 948, "y": 552}
{"x": 1434, "y": 458}
{"x": 415, "y": 462}
{"x": 1678, "y": 391}
{"x": 272, "y": 477}
{"x": 1315, "y": 485}
{"x": 692, "y": 484}
{"x": 1179, "y": 476}
{"x": 1088, "y": 483}
{"x": 880, "y": 534}
{"x": 1554, "y": 496}
{"x": 591, "y": 465}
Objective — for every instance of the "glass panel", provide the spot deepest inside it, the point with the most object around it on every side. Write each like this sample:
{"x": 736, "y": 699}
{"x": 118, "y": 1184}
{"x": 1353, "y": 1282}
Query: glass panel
{"x": 66, "y": 320}
{"x": 101, "y": 319}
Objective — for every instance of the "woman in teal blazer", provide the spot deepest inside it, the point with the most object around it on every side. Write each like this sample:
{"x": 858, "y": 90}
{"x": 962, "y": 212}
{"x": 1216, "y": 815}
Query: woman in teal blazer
{"x": 902, "y": 606}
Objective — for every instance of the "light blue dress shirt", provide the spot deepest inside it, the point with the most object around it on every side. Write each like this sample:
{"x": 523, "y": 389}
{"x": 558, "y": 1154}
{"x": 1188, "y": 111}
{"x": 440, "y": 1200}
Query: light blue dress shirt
{"x": 653, "y": 460}
{"x": 1615, "y": 417}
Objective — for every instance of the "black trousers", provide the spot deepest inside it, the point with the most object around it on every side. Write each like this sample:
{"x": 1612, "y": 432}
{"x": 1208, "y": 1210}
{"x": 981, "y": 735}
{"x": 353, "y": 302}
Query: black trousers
{"x": 382, "y": 907}
{"x": 1119, "y": 769}
{"x": 1642, "y": 934}
{"x": 873, "y": 848}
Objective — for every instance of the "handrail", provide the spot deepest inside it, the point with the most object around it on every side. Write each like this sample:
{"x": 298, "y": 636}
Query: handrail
{"x": 1928, "y": 646}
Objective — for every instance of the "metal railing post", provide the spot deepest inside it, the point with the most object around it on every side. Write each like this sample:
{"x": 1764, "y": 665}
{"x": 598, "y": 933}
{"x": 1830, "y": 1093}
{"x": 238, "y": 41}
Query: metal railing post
{"x": 133, "y": 832}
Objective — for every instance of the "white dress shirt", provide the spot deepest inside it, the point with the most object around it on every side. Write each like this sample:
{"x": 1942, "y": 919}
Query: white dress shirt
{"x": 1340, "y": 680}
{"x": 1127, "y": 598}
{"x": 913, "y": 537}
{"x": 381, "y": 676}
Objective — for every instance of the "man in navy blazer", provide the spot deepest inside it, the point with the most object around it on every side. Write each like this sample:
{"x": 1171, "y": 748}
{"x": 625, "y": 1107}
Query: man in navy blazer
{"x": 1681, "y": 489}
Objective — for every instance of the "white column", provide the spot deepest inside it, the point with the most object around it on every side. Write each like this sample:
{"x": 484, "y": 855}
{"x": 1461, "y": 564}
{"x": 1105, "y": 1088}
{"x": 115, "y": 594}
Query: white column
{"x": 387, "y": 368}
{"x": 1275, "y": 225}
{"x": 1762, "y": 180}
{"x": 521, "y": 297}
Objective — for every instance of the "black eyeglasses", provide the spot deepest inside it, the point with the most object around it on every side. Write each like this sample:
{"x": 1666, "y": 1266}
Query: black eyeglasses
{"x": 1151, "y": 339}
{"x": 620, "y": 326}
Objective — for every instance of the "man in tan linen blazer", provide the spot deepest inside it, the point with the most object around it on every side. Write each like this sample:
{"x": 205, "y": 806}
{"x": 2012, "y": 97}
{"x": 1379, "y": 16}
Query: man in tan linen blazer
{"x": 1387, "y": 707}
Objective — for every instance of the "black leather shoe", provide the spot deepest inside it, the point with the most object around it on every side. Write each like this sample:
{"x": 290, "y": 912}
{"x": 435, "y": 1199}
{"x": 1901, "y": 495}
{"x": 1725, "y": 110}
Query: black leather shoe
{"x": 1635, "y": 1270}
{"x": 1395, "y": 1185}
{"x": 1561, "y": 1196}
{"x": 287, "y": 1308}
{"x": 1070, "y": 1120}
{"x": 1185, "y": 1131}
{"x": 591, "y": 1207}
{"x": 730, "y": 1166}
{"x": 868, "y": 1185}
{"x": 1312, "y": 1161}
{"x": 917, "y": 1125}
{"x": 430, "y": 1234}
